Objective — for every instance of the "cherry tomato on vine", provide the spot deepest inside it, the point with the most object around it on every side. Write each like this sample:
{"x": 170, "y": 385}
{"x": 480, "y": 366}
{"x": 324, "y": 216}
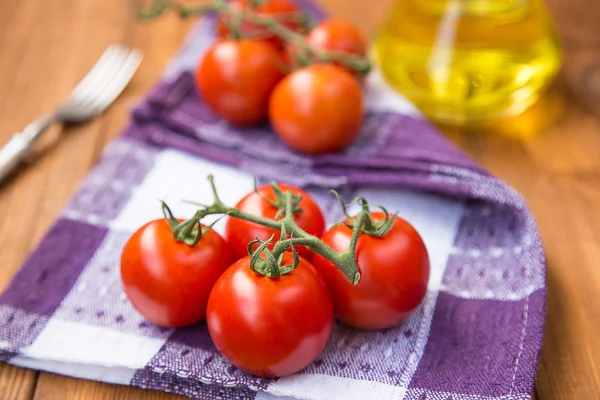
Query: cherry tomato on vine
{"x": 338, "y": 35}
{"x": 394, "y": 273}
{"x": 333, "y": 35}
{"x": 317, "y": 109}
{"x": 266, "y": 326}
{"x": 239, "y": 232}
{"x": 167, "y": 281}
{"x": 284, "y": 11}
{"x": 236, "y": 79}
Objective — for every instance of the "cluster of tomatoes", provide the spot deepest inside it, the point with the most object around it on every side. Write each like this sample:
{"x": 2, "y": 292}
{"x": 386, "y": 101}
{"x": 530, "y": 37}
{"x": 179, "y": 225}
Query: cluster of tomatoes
{"x": 274, "y": 326}
{"x": 303, "y": 82}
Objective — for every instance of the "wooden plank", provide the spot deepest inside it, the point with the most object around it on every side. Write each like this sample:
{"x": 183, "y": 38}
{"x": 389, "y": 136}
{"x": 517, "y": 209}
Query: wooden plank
{"x": 570, "y": 359}
{"x": 56, "y": 387}
{"x": 577, "y": 22}
{"x": 16, "y": 383}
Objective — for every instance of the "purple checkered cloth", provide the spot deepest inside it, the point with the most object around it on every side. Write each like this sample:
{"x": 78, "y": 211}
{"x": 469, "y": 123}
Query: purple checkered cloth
{"x": 477, "y": 334}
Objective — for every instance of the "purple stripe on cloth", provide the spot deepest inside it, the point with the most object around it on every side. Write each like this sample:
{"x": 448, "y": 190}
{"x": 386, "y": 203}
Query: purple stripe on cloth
{"x": 422, "y": 140}
{"x": 97, "y": 297}
{"x": 109, "y": 185}
{"x": 6, "y": 356}
{"x": 495, "y": 254}
{"x": 51, "y": 270}
{"x": 488, "y": 225}
{"x": 197, "y": 359}
{"x": 312, "y": 8}
{"x": 195, "y": 336}
{"x": 147, "y": 379}
{"x": 482, "y": 274}
{"x": 471, "y": 349}
{"x": 20, "y": 328}
{"x": 416, "y": 181}
{"x": 426, "y": 394}
{"x": 532, "y": 334}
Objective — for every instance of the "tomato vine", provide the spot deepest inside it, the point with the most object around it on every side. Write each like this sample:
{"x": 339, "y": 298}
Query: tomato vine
{"x": 190, "y": 232}
{"x": 275, "y": 24}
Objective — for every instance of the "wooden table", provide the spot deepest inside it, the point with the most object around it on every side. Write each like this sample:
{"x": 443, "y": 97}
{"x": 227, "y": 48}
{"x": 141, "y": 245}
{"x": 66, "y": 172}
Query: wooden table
{"x": 46, "y": 47}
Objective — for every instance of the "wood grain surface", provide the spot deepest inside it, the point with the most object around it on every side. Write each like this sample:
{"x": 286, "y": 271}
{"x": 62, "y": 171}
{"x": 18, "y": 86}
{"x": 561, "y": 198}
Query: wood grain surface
{"x": 551, "y": 154}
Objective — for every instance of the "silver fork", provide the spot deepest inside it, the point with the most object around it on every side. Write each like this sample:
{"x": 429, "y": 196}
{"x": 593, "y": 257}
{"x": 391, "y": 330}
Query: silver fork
{"x": 96, "y": 91}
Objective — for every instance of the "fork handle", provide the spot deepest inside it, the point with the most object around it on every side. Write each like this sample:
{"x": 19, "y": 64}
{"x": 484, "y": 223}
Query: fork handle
{"x": 19, "y": 145}
{"x": 13, "y": 153}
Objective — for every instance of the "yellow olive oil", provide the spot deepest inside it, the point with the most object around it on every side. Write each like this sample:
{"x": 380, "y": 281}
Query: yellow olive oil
{"x": 469, "y": 61}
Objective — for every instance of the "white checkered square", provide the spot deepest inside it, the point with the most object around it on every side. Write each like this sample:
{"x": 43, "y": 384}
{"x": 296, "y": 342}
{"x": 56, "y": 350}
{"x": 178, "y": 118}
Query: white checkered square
{"x": 72, "y": 342}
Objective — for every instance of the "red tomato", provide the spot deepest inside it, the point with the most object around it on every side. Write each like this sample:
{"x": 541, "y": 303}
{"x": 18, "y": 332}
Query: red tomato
{"x": 338, "y": 35}
{"x": 239, "y": 232}
{"x": 270, "y": 327}
{"x": 333, "y": 35}
{"x": 394, "y": 273}
{"x": 317, "y": 109}
{"x": 236, "y": 78}
{"x": 167, "y": 281}
{"x": 268, "y": 8}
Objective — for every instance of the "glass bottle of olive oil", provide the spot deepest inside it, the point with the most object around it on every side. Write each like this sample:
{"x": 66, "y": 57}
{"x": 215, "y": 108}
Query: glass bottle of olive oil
{"x": 469, "y": 61}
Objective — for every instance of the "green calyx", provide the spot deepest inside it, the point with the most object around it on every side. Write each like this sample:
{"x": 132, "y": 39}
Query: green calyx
{"x": 271, "y": 264}
{"x": 280, "y": 202}
{"x": 368, "y": 226}
{"x": 190, "y": 231}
